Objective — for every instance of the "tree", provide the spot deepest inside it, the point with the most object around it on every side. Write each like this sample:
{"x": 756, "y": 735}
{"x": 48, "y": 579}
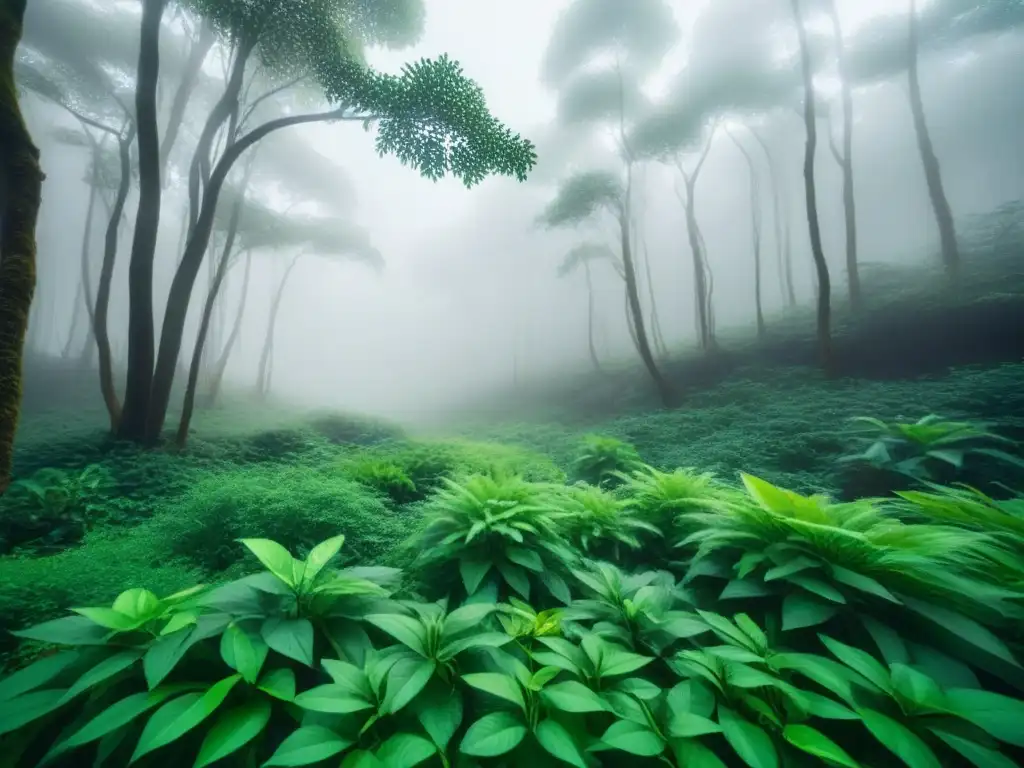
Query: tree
{"x": 582, "y": 197}
{"x": 21, "y": 181}
{"x": 932, "y": 172}
{"x": 431, "y": 116}
{"x": 583, "y": 255}
{"x": 755, "y": 220}
{"x": 824, "y": 310}
{"x": 780, "y": 214}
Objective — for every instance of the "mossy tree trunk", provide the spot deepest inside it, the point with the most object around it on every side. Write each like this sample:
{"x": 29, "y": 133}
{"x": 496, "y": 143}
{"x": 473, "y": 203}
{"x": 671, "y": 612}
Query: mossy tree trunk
{"x": 21, "y": 185}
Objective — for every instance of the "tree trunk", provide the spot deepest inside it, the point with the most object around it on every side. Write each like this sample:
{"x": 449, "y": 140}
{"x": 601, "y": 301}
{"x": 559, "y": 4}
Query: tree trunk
{"x": 198, "y": 353}
{"x": 755, "y": 219}
{"x": 932, "y": 172}
{"x": 141, "y": 342}
{"x": 217, "y": 378}
{"x": 85, "y": 281}
{"x": 21, "y": 183}
{"x": 263, "y": 374}
{"x": 824, "y": 319}
{"x": 782, "y": 244}
{"x": 849, "y": 203}
{"x": 698, "y": 252}
{"x": 196, "y": 56}
{"x": 659, "y": 339}
{"x": 592, "y": 348}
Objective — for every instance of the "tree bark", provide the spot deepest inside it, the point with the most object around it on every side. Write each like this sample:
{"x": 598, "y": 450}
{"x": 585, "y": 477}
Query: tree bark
{"x": 21, "y": 182}
{"x": 85, "y": 280}
{"x": 782, "y": 235}
{"x": 930, "y": 161}
{"x": 196, "y": 56}
{"x": 217, "y": 378}
{"x": 755, "y": 218}
{"x": 263, "y": 374}
{"x": 824, "y": 309}
{"x": 849, "y": 202}
{"x": 701, "y": 284}
{"x": 591, "y": 346}
{"x": 141, "y": 342}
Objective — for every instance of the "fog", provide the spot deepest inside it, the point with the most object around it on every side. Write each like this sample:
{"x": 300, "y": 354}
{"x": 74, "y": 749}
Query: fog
{"x": 466, "y": 294}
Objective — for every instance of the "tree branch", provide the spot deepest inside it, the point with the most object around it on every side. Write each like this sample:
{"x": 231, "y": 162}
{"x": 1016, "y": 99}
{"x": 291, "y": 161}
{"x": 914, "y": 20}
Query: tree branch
{"x": 269, "y": 94}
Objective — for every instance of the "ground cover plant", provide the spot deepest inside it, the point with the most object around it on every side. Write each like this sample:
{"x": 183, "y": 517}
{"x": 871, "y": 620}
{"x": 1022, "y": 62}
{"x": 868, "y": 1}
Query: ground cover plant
{"x": 787, "y": 630}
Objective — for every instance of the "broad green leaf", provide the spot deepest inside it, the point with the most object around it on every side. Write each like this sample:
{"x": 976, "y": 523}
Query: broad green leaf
{"x": 558, "y": 742}
{"x": 827, "y": 673}
{"x": 825, "y": 708}
{"x": 790, "y": 567}
{"x": 361, "y": 758}
{"x": 108, "y": 618}
{"x": 502, "y": 686}
{"x": 309, "y": 744}
{"x": 464, "y": 618}
{"x": 817, "y": 587}
{"x": 916, "y": 688}
{"x": 481, "y": 640}
{"x": 965, "y": 629}
{"x": 233, "y": 730}
{"x": 117, "y": 715}
{"x": 493, "y": 735}
{"x": 279, "y": 683}
{"x": 405, "y": 750}
{"x": 980, "y": 756}
{"x": 332, "y": 698}
{"x": 617, "y": 661}
{"x": 800, "y": 610}
{"x": 573, "y": 696}
{"x": 290, "y": 637}
{"x": 860, "y": 661}
{"x": 440, "y": 713}
{"x": 863, "y": 583}
{"x": 405, "y": 680}
{"x": 691, "y": 696}
{"x": 405, "y": 629}
{"x": 243, "y": 651}
{"x": 634, "y": 738}
{"x": 686, "y": 725}
{"x": 103, "y": 671}
{"x": 899, "y": 740}
{"x": 138, "y": 603}
{"x": 690, "y": 753}
{"x": 528, "y": 558}
{"x": 637, "y": 686}
{"x": 178, "y": 716}
{"x": 274, "y": 557}
{"x": 741, "y": 589}
{"x": 748, "y": 740}
{"x": 556, "y": 586}
{"x": 888, "y": 640}
{"x": 515, "y": 577}
{"x": 36, "y": 674}
{"x": 998, "y": 715}
{"x": 348, "y": 676}
{"x": 23, "y": 709}
{"x": 164, "y": 655}
{"x": 180, "y": 620}
{"x": 321, "y": 555}
{"x": 70, "y": 630}
{"x": 473, "y": 572}
{"x": 815, "y": 743}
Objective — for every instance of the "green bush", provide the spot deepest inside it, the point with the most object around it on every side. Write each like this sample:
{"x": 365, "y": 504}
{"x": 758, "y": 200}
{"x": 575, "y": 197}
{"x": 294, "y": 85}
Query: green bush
{"x": 344, "y": 429}
{"x": 602, "y": 460}
{"x": 294, "y": 506}
{"x": 386, "y": 478}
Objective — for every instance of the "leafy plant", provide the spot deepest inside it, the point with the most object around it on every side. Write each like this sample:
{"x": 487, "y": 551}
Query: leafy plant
{"x": 601, "y": 461}
{"x": 601, "y": 525}
{"x": 386, "y": 478}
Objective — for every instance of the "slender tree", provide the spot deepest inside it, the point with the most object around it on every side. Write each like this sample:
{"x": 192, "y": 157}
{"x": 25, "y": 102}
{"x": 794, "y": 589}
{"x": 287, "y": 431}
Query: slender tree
{"x": 21, "y": 181}
{"x": 755, "y": 219}
{"x": 780, "y": 215}
{"x": 824, "y": 289}
{"x": 582, "y": 256}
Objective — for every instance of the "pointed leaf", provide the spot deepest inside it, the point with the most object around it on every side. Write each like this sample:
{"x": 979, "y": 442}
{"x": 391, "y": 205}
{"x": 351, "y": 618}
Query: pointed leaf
{"x": 748, "y": 740}
{"x": 290, "y": 637}
{"x": 815, "y": 743}
{"x": 493, "y": 735}
{"x": 405, "y": 750}
{"x": 309, "y": 744}
{"x": 899, "y": 740}
{"x": 558, "y": 742}
{"x": 274, "y": 557}
{"x": 233, "y": 730}
{"x": 178, "y": 716}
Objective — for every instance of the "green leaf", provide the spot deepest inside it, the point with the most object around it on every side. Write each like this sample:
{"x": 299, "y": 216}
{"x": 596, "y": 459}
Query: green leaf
{"x": 863, "y": 583}
{"x": 637, "y": 686}
{"x": 70, "y": 630}
{"x": 309, "y": 744}
{"x": 361, "y": 758}
{"x": 634, "y": 738}
{"x": 691, "y": 696}
{"x": 888, "y": 640}
{"x": 558, "y": 742}
{"x": 321, "y": 555}
{"x": 103, "y": 671}
{"x": 917, "y": 688}
{"x": 348, "y": 676}
{"x": 980, "y": 756}
{"x": 493, "y": 735}
{"x": 108, "y": 618}
{"x": 473, "y": 572}
{"x": 749, "y": 741}
{"x": 178, "y": 716}
{"x": 963, "y": 628}
{"x": 815, "y": 743}
{"x": 36, "y": 674}
{"x": 168, "y": 650}
{"x": 23, "y": 709}
{"x": 573, "y": 696}
{"x": 405, "y": 681}
{"x": 616, "y": 661}
{"x": 827, "y": 673}
{"x": 332, "y": 698}
{"x": 274, "y": 557}
{"x": 140, "y": 604}
{"x": 464, "y": 618}
{"x": 818, "y": 587}
{"x": 502, "y": 686}
{"x": 115, "y": 716}
{"x": 243, "y": 651}
{"x": 515, "y": 577}
{"x": 686, "y": 725}
{"x": 482, "y": 640}
{"x": 692, "y": 754}
{"x": 998, "y": 715}
{"x": 405, "y": 750}
{"x": 793, "y": 566}
{"x": 860, "y": 661}
{"x": 527, "y": 558}
{"x": 405, "y": 629}
{"x": 290, "y": 637}
{"x": 233, "y": 730}
{"x": 440, "y": 713}
{"x": 800, "y": 610}
{"x": 279, "y": 683}
{"x": 899, "y": 740}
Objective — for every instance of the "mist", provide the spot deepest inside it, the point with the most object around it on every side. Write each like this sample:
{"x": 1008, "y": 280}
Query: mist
{"x": 442, "y": 292}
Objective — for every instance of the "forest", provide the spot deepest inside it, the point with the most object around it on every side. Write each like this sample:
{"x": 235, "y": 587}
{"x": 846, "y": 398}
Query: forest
{"x": 677, "y": 421}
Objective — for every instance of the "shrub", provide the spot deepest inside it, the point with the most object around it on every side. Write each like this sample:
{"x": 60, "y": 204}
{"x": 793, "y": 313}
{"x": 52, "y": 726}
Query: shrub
{"x": 601, "y": 525}
{"x": 601, "y": 461}
{"x": 344, "y": 428}
{"x": 386, "y": 478}
{"x": 302, "y": 663}
{"x": 276, "y": 445}
{"x": 295, "y": 506}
